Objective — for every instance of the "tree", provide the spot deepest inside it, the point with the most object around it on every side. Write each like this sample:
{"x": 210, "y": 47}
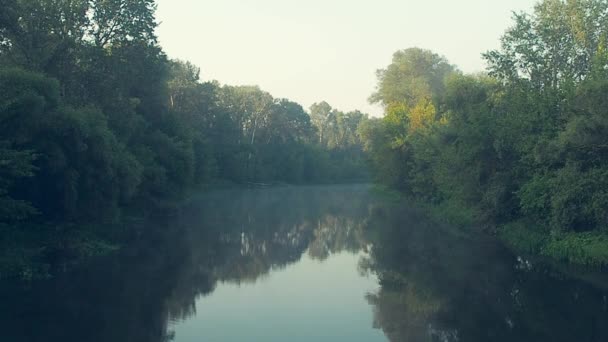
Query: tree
{"x": 523, "y": 145}
{"x": 413, "y": 76}
{"x": 320, "y": 114}
{"x": 96, "y": 121}
{"x": 42, "y": 34}
{"x": 115, "y": 22}
{"x": 554, "y": 46}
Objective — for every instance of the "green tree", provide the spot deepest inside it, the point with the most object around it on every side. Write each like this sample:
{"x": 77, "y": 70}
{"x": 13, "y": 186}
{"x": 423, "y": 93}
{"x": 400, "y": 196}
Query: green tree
{"x": 553, "y": 47}
{"x": 413, "y": 76}
{"x": 320, "y": 114}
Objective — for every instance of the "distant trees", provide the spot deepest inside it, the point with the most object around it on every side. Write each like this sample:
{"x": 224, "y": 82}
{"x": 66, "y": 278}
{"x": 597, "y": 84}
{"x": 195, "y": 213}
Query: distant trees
{"x": 96, "y": 121}
{"x": 524, "y": 142}
{"x": 338, "y": 133}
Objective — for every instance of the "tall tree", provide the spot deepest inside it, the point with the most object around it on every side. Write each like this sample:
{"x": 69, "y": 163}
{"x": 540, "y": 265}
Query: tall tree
{"x": 554, "y": 46}
{"x": 320, "y": 114}
{"x": 413, "y": 76}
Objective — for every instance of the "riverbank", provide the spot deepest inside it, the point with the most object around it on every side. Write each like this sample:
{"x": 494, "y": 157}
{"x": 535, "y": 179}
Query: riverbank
{"x": 588, "y": 249}
{"x": 580, "y": 255}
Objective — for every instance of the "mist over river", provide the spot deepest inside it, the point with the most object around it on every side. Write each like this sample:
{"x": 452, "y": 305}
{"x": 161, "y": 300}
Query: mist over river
{"x": 316, "y": 263}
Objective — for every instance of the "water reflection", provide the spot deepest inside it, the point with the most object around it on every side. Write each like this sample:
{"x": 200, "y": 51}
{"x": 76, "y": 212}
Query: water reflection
{"x": 439, "y": 285}
{"x": 435, "y": 284}
{"x": 232, "y": 236}
{"x": 240, "y": 236}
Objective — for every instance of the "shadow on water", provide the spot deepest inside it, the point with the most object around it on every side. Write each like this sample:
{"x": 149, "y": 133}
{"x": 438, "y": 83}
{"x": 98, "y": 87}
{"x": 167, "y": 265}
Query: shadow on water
{"x": 225, "y": 236}
{"x": 435, "y": 283}
{"x": 440, "y": 285}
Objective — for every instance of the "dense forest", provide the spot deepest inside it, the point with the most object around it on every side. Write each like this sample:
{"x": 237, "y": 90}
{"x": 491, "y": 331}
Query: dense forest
{"x": 97, "y": 123}
{"x": 521, "y": 150}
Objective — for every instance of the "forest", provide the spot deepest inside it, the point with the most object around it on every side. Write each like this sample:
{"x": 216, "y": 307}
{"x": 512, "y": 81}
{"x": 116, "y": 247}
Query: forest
{"x": 98, "y": 125}
{"x": 521, "y": 150}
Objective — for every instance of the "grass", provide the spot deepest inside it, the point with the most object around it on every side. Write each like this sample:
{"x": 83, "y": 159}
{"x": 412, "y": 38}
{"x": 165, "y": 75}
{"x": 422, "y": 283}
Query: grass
{"x": 520, "y": 237}
{"x": 589, "y": 249}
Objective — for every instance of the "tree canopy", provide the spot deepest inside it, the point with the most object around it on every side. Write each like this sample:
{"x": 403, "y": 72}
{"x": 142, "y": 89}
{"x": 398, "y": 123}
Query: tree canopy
{"x": 519, "y": 147}
{"x": 97, "y": 123}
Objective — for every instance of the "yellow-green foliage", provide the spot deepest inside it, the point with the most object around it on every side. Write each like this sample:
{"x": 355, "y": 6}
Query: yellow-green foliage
{"x": 526, "y": 142}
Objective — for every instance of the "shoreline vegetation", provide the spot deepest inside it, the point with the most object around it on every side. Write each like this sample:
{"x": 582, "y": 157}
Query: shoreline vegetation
{"x": 100, "y": 129}
{"x": 577, "y": 249}
{"x": 519, "y": 151}
{"x": 583, "y": 261}
{"x": 97, "y": 124}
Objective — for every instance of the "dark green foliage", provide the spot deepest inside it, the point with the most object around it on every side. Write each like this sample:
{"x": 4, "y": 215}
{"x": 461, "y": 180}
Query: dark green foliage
{"x": 95, "y": 121}
{"x": 525, "y": 143}
{"x": 15, "y": 165}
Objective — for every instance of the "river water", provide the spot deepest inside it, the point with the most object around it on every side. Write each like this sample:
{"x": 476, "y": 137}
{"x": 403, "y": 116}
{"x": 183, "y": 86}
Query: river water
{"x": 326, "y": 263}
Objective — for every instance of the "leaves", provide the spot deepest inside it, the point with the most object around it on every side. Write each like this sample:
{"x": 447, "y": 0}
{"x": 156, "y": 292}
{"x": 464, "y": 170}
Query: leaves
{"x": 525, "y": 142}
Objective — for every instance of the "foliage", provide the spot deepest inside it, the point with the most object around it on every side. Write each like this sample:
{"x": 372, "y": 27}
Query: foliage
{"x": 525, "y": 142}
{"x": 581, "y": 249}
{"x": 414, "y": 74}
{"x": 96, "y": 121}
{"x": 522, "y": 238}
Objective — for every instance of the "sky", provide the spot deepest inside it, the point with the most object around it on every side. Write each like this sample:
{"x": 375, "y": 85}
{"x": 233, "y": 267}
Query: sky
{"x": 326, "y": 50}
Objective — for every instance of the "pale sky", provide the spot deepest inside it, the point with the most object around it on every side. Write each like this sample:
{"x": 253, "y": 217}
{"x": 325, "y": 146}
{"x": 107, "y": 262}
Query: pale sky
{"x": 326, "y": 50}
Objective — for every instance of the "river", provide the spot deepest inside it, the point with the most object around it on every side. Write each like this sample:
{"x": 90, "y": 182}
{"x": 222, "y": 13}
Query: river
{"x": 318, "y": 263}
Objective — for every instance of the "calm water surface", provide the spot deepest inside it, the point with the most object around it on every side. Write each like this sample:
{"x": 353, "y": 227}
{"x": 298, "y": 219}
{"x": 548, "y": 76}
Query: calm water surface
{"x": 332, "y": 263}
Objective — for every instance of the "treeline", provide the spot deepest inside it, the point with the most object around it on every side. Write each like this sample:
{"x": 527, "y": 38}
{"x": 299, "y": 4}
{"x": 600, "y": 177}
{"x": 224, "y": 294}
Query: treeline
{"x": 95, "y": 119}
{"x": 521, "y": 149}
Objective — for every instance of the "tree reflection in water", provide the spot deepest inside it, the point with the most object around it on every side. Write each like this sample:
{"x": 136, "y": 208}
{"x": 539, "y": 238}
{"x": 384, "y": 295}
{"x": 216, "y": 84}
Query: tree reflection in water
{"x": 232, "y": 236}
{"x": 436, "y": 284}
{"x": 239, "y": 236}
